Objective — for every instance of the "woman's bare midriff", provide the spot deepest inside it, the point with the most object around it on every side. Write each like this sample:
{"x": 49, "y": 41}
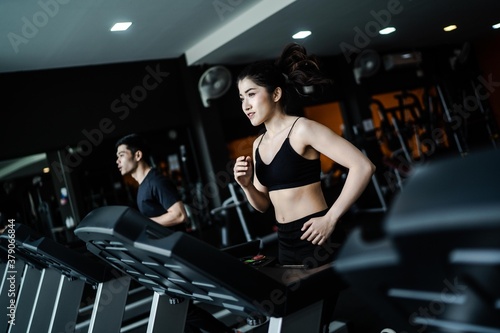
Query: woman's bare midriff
{"x": 295, "y": 203}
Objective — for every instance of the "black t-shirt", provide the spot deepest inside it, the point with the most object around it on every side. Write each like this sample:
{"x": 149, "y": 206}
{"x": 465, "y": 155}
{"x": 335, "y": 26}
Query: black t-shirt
{"x": 156, "y": 194}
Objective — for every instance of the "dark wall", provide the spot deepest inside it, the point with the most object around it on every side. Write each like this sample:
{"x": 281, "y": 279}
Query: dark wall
{"x": 48, "y": 110}
{"x": 51, "y": 109}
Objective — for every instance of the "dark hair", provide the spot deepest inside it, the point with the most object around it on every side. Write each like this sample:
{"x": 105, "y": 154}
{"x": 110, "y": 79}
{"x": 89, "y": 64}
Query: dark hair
{"x": 134, "y": 143}
{"x": 292, "y": 71}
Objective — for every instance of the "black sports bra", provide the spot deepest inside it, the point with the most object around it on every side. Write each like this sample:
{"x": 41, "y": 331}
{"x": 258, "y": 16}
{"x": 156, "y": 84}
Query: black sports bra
{"x": 288, "y": 169}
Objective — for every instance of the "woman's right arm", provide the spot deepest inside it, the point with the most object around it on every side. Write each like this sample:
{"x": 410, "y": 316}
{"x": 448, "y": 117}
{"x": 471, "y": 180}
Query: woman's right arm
{"x": 255, "y": 192}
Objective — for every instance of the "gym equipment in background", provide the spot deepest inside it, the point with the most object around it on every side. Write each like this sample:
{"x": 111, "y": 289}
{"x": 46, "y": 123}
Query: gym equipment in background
{"x": 436, "y": 266}
{"x": 366, "y": 64}
{"x": 214, "y": 83}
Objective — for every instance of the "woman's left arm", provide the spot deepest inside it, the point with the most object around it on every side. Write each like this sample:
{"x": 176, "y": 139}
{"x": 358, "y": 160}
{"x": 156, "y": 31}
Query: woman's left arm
{"x": 360, "y": 170}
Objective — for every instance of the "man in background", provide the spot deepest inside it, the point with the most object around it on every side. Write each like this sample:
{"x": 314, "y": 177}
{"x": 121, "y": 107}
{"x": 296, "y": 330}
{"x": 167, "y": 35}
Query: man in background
{"x": 158, "y": 199}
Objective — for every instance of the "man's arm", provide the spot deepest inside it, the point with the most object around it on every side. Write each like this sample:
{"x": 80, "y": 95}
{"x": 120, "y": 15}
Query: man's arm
{"x": 175, "y": 214}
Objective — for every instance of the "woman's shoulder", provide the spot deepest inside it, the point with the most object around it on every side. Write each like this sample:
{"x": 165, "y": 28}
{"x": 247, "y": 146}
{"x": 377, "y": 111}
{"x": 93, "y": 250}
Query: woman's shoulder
{"x": 308, "y": 131}
{"x": 305, "y": 125}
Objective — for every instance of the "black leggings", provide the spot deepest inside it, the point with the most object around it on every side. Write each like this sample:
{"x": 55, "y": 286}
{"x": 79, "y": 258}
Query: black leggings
{"x": 294, "y": 251}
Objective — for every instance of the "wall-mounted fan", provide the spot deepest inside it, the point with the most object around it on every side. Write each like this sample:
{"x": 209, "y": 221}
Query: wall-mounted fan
{"x": 214, "y": 83}
{"x": 366, "y": 64}
{"x": 459, "y": 60}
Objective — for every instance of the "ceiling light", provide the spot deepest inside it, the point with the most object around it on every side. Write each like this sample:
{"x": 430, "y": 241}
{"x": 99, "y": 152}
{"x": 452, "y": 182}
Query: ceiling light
{"x": 121, "y": 26}
{"x": 450, "y": 28}
{"x": 386, "y": 31}
{"x": 301, "y": 34}
{"x": 496, "y": 26}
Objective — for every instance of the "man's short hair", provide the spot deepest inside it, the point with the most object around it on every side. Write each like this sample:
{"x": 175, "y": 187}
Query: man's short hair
{"x": 134, "y": 143}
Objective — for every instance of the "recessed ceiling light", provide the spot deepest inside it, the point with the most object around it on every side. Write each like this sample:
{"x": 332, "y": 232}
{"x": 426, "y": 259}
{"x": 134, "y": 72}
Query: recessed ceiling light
{"x": 386, "y": 31}
{"x": 302, "y": 34}
{"x": 496, "y": 26}
{"x": 121, "y": 26}
{"x": 450, "y": 28}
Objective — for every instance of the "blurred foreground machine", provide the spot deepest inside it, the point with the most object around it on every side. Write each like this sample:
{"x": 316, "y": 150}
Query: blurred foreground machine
{"x": 179, "y": 267}
{"x": 437, "y": 266}
{"x": 43, "y": 283}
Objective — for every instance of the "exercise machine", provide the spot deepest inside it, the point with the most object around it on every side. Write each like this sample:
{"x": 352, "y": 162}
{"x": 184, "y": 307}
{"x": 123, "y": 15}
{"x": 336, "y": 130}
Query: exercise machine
{"x": 179, "y": 267}
{"x": 237, "y": 200}
{"x": 436, "y": 265}
{"x": 47, "y": 285}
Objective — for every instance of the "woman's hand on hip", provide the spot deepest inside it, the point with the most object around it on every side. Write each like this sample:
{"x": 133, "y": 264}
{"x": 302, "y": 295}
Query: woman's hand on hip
{"x": 317, "y": 230}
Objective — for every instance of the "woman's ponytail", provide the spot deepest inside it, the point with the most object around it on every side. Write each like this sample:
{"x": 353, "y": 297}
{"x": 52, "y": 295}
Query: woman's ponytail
{"x": 299, "y": 68}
